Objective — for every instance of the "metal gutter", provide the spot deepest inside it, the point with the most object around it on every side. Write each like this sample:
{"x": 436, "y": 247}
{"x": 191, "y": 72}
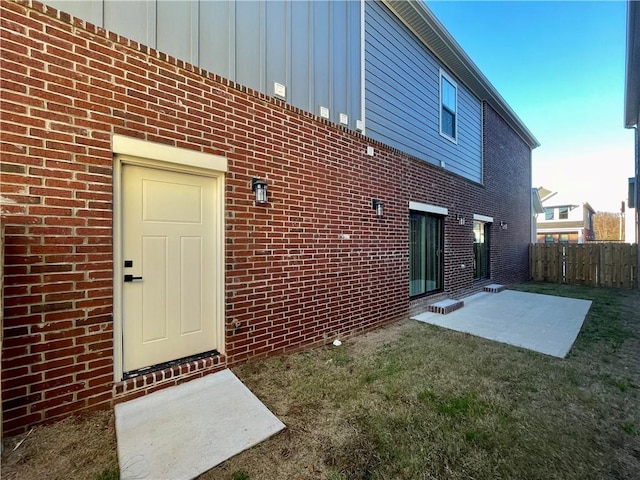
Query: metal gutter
{"x": 632, "y": 101}
{"x": 363, "y": 42}
{"x": 632, "y": 77}
{"x": 424, "y": 24}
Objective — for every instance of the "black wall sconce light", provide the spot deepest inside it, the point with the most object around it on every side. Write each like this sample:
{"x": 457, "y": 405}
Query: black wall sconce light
{"x": 378, "y": 206}
{"x": 259, "y": 188}
{"x": 503, "y": 225}
{"x": 461, "y": 219}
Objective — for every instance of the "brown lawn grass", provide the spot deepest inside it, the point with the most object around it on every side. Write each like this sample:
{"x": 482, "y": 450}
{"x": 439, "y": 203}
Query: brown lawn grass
{"x": 414, "y": 401}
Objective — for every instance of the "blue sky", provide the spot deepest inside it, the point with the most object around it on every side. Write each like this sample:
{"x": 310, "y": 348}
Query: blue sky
{"x": 561, "y": 67}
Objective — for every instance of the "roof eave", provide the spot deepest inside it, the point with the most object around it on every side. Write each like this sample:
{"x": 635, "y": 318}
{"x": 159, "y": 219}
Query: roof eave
{"x": 536, "y": 201}
{"x": 424, "y": 24}
{"x": 632, "y": 77}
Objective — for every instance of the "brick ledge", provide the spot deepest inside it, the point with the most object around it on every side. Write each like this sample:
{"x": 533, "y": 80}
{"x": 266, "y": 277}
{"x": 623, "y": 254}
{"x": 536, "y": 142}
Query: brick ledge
{"x": 168, "y": 377}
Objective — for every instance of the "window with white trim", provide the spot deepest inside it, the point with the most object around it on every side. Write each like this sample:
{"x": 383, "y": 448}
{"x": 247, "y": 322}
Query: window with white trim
{"x": 448, "y": 107}
{"x": 563, "y": 213}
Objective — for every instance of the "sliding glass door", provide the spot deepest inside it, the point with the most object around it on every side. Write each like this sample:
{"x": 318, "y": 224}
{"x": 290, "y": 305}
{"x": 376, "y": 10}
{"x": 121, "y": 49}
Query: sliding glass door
{"x": 481, "y": 249}
{"x": 425, "y": 253}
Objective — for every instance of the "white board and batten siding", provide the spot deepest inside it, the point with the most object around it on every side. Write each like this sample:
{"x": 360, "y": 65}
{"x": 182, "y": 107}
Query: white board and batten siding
{"x": 313, "y": 48}
{"x": 402, "y": 98}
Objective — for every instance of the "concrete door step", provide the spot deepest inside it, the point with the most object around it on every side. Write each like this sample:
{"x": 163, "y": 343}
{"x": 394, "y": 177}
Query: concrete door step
{"x": 494, "y": 288}
{"x": 183, "y": 431}
{"x": 445, "y": 306}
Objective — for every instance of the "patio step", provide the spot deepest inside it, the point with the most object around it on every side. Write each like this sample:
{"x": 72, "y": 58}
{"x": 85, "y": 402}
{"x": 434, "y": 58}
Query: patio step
{"x": 445, "y": 306}
{"x": 494, "y": 288}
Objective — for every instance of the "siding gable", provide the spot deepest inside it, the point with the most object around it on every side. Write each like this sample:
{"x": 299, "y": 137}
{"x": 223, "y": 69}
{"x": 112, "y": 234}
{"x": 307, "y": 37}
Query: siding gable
{"x": 402, "y": 98}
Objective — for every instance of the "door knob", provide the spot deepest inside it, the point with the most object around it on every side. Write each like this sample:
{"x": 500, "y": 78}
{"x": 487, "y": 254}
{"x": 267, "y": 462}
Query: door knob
{"x": 131, "y": 278}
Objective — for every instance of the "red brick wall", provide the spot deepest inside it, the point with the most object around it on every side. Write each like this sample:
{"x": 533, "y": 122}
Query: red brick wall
{"x": 313, "y": 265}
{"x": 507, "y": 177}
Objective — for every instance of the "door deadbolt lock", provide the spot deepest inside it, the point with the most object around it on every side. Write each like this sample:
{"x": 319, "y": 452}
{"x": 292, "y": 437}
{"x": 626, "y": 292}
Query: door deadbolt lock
{"x": 131, "y": 278}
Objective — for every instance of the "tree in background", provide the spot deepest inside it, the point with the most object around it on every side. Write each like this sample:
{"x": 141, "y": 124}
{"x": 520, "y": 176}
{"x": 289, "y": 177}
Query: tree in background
{"x": 608, "y": 226}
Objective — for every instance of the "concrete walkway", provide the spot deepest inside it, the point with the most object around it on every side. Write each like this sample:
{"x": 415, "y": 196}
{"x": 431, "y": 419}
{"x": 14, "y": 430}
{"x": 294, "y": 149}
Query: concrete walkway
{"x": 183, "y": 431}
{"x": 543, "y": 323}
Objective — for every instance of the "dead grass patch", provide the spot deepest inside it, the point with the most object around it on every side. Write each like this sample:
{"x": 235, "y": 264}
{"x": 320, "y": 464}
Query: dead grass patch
{"x": 80, "y": 447}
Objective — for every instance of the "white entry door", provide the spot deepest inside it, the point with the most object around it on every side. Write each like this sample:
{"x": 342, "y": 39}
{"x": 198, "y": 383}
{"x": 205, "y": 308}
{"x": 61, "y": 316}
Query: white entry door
{"x": 168, "y": 250}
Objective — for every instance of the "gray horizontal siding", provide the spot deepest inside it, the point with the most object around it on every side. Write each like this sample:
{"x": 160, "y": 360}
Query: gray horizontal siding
{"x": 402, "y": 98}
{"x": 312, "y": 47}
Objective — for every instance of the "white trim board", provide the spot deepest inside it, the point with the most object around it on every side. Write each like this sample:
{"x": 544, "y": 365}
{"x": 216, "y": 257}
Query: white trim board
{"x": 425, "y": 207}
{"x": 482, "y": 218}
{"x": 122, "y": 145}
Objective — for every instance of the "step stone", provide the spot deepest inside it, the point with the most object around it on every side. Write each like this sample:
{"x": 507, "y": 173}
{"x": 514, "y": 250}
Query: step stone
{"x": 445, "y": 306}
{"x": 494, "y": 288}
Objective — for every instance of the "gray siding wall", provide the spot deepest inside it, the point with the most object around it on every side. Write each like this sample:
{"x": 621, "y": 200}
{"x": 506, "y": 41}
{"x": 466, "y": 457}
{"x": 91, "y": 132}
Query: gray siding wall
{"x": 402, "y": 98}
{"x": 312, "y": 47}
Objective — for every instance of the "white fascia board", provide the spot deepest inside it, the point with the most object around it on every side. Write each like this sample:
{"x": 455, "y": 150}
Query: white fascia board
{"x": 427, "y": 208}
{"x": 482, "y": 218}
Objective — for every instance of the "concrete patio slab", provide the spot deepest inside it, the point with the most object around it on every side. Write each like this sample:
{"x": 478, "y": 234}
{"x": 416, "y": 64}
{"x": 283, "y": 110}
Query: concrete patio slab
{"x": 183, "y": 431}
{"x": 543, "y": 323}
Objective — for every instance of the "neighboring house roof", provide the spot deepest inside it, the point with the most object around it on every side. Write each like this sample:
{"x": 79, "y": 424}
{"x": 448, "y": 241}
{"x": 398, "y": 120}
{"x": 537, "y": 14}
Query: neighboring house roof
{"x": 424, "y": 24}
{"x": 536, "y": 202}
{"x": 559, "y": 200}
{"x": 632, "y": 82}
{"x": 545, "y": 193}
{"x": 552, "y": 199}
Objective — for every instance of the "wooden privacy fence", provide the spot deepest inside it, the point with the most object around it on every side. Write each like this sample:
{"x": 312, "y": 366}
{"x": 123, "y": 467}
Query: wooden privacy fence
{"x": 595, "y": 264}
